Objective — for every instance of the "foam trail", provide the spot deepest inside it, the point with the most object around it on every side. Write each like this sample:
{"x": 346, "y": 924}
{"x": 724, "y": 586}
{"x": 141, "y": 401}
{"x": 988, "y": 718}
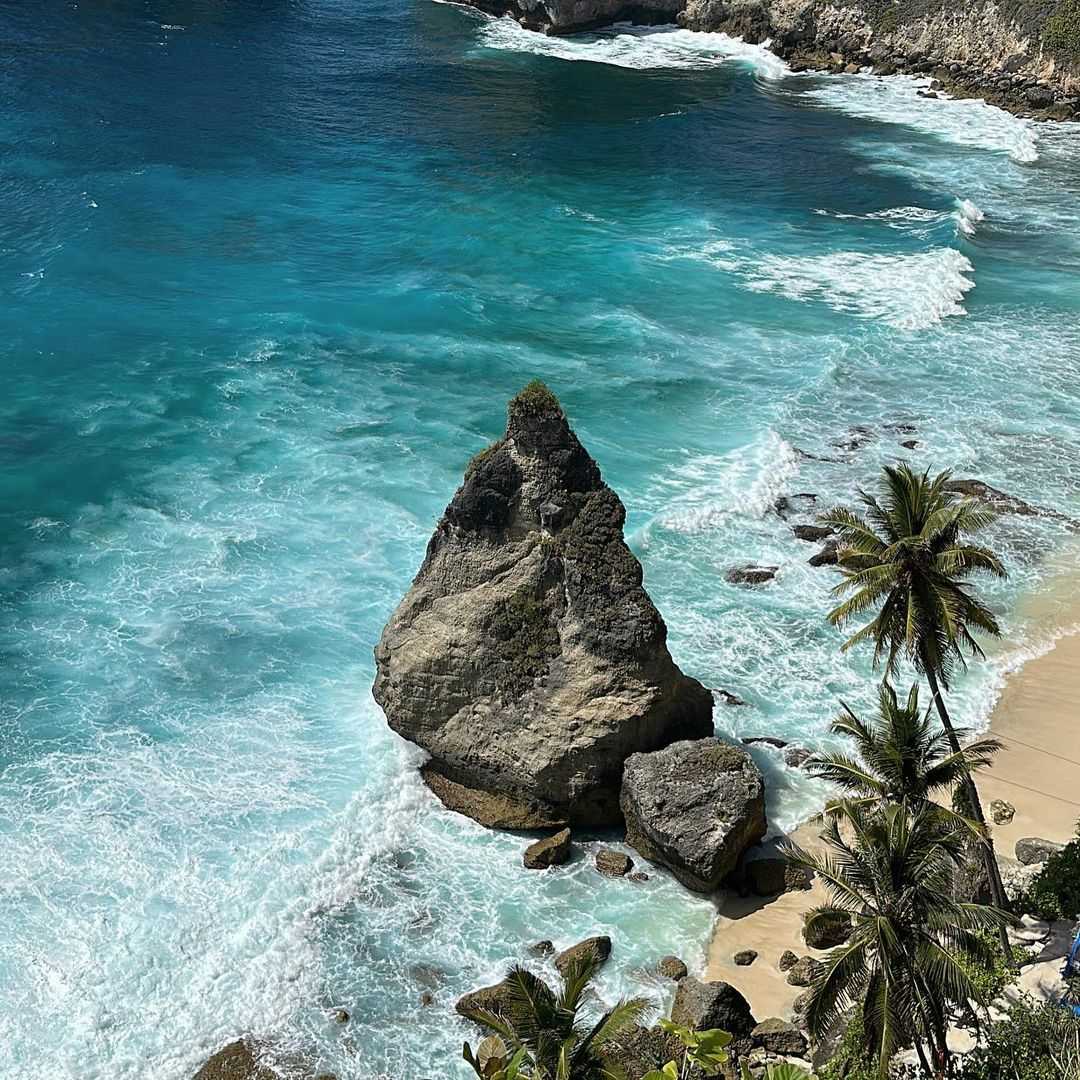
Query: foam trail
{"x": 637, "y": 47}
{"x": 965, "y": 122}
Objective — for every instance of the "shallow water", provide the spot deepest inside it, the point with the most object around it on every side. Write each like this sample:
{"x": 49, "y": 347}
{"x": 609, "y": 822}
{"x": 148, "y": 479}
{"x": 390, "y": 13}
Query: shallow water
{"x": 269, "y": 273}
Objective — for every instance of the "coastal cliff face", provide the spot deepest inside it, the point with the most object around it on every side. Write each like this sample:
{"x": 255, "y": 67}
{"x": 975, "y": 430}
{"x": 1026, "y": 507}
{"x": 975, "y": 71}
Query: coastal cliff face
{"x": 1021, "y": 54}
{"x": 527, "y": 658}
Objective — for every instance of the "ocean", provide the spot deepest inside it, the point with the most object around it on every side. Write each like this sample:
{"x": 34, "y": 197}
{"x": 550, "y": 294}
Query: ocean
{"x": 269, "y": 272}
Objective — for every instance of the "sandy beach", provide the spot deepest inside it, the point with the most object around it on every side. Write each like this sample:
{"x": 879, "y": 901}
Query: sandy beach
{"x": 1037, "y": 718}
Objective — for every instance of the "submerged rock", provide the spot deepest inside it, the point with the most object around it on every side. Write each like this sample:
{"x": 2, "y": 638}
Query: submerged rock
{"x": 551, "y": 851}
{"x": 527, "y": 658}
{"x": 751, "y": 575}
{"x": 613, "y": 863}
{"x": 694, "y": 807}
{"x": 829, "y": 555}
{"x": 1001, "y": 501}
{"x": 671, "y": 967}
{"x": 599, "y": 946}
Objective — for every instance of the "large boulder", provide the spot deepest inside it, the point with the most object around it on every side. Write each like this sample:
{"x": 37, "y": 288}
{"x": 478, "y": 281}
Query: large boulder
{"x": 703, "y": 1005}
{"x": 527, "y": 658}
{"x": 694, "y": 807}
{"x": 1034, "y": 849}
{"x": 489, "y": 998}
{"x": 240, "y": 1060}
{"x": 779, "y": 1037}
{"x": 825, "y": 931}
{"x": 598, "y": 947}
{"x": 550, "y": 851}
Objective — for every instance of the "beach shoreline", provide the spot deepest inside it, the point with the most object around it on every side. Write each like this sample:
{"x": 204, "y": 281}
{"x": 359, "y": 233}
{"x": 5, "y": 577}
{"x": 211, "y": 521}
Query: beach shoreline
{"x": 1037, "y": 772}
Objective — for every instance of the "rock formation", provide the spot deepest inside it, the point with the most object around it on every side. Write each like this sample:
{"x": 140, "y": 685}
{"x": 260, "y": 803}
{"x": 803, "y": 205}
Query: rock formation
{"x": 694, "y": 807}
{"x": 1023, "y": 57}
{"x": 527, "y": 658}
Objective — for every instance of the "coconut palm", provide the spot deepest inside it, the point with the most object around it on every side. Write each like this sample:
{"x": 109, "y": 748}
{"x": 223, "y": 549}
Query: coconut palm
{"x": 908, "y": 557}
{"x": 911, "y": 945}
{"x": 900, "y": 757}
{"x": 557, "y": 1041}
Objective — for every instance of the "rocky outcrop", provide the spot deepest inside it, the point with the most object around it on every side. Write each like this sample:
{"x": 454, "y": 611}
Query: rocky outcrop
{"x": 671, "y": 967}
{"x": 527, "y": 658}
{"x": 694, "y": 807}
{"x": 597, "y": 947}
{"x": 1021, "y": 54}
{"x": 495, "y": 999}
{"x": 240, "y": 1060}
{"x": 703, "y": 1005}
{"x": 570, "y": 16}
{"x": 1031, "y": 850}
{"x": 779, "y": 1037}
{"x": 551, "y": 851}
{"x": 612, "y": 863}
{"x": 824, "y": 931}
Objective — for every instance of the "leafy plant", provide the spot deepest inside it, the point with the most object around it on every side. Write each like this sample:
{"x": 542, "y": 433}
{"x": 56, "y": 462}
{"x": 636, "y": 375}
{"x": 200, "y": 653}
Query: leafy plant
{"x": 493, "y": 1061}
{"x": 1055, "y": 892}
{"x": 889, "y": 870}
{"x": 703, "y": 1050}
{"x": 1034, "y": 1042}
{"x": 1062, "y": 30}
{"x": 546, "y": 1036}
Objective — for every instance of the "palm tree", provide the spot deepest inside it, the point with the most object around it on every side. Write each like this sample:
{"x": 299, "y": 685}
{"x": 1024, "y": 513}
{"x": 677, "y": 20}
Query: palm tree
{"x": 900, "y": 758}
{"x": 905, "y": 961}
{"x": 908, "y": 556}
{"x": 557, "y": 1041}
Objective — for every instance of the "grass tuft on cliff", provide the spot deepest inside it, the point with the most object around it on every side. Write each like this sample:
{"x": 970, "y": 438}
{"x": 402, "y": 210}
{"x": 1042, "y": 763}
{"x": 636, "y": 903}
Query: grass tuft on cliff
{"x": 1062, "y": 30}
{"x": 535, "y": 399}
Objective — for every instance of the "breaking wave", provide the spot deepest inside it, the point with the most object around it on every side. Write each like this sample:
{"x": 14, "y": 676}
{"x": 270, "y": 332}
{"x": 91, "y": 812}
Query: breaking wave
{"x": 638, "y": 47}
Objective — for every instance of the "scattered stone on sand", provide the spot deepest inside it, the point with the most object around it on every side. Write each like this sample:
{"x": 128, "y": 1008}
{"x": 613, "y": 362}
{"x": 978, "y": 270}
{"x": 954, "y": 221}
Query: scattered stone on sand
{"x": 671, "y": 967}
{"x": 750, "y": 574}
{"x": 599, "y": 946}
{"x": 694, "y": 807}
{"x": 702, "y": 1005}
{"x": 1033, "y": 849}
{"x": 745, "y": 957}
{"x": 825, "y": 932}
{"x": 1002, "y": 812}
{"x": 779, "y": 1037}
{"x": 551, "y": 851}
{"x": 612, "y": 863}
{"x": 787, "y": 960}
{"x": 803, "y": 972}
{"x": 542, "y": 948}
{"x": 527, "y": 658}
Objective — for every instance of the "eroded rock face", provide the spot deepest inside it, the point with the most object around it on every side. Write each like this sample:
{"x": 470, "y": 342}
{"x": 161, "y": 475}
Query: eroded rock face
{"x": 527, "y": 658}
{"x": 703, "y": 1005}
{"x": 694, "y": 807}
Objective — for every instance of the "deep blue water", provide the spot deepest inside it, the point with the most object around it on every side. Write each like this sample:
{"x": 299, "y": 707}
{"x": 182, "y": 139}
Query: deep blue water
{"x": 268, "y": 273}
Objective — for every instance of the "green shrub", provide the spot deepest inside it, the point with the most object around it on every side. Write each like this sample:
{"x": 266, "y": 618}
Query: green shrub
{"x": 536, "y": 398}
{"x": 851, "y": 1061}
{"x": 887, "y": 20}
{"x": 1055, "y": 892}
{"x": 1062, "y": 30}
{"x": 991, "y": 979}
{"x": 1035, "y": 1042}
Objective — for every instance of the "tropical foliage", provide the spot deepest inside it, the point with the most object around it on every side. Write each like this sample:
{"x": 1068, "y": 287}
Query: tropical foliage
{"x": 1034, "y": 1042}
{"x": 1055, "y": 892}
{"x": 545, "y": 1035}
{"x": 900, "y": 756}
{"x": 906, "y": 962}
{"x": 908, "y": 558}
{"x": 702, "y": 1050}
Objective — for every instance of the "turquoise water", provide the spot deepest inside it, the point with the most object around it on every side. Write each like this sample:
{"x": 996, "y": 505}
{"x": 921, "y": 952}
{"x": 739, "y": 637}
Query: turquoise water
{"x": 269, "y": 272}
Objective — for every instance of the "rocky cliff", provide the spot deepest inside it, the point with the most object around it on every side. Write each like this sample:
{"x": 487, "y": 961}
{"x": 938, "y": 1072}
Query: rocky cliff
{"x": 527, "y": 658}
{"x": 1021, "y": 54}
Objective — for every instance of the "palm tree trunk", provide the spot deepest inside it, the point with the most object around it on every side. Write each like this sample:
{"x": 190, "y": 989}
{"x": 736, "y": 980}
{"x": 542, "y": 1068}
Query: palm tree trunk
{"x": 997, "y": 889}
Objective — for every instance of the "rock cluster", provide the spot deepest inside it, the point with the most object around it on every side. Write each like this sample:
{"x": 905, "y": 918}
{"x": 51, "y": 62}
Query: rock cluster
{"x": 527, "y": 658}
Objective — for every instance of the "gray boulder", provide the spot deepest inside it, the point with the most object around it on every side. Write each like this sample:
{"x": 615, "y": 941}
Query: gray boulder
{"x": 803, "y": 972}
{"x": 779, "y": 1037}
{"x": 750, "y": 575}
{"x": 1033, "y": 849}
{"x": 694, "y": 807}
{"x": 491, "y": 998}
{"x": 745, "y": 957}
{"x": 702, "y": 1005}
{"x": 787, "y": 960}
{"x": 527, "y": 658}
{"x": 671, "y": 967}
{"x": 612, "y": 863}
{"x": 551, "y": 851}
{"x": 599, "y": 946}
